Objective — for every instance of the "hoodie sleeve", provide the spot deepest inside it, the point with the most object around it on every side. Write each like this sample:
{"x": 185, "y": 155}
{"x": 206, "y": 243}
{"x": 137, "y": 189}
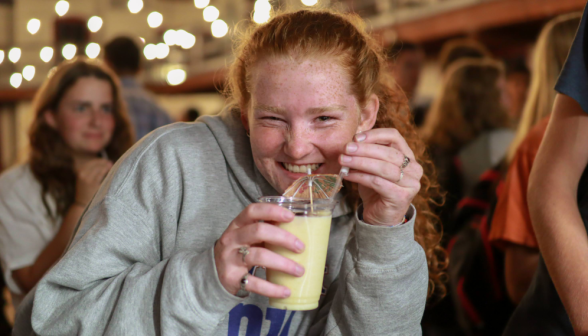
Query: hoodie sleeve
{"x": 113, "y": 281}
{"x": 123, "y": 273}
{"x": 382, "y": 286}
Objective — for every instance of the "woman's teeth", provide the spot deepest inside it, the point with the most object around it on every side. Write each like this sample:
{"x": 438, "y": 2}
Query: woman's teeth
{"x": 301, "y": 168}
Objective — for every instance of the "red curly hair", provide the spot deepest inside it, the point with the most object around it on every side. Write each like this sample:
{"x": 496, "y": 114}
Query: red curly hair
{"x": 343, "y": 36}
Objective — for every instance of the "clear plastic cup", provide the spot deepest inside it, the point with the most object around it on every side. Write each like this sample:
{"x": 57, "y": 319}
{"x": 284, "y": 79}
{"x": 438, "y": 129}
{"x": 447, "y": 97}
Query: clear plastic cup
{"x": 312, "y": 225}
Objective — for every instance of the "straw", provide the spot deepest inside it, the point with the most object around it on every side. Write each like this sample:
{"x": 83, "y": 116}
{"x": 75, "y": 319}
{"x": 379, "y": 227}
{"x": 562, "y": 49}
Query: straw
{"x": 309, "y": 172}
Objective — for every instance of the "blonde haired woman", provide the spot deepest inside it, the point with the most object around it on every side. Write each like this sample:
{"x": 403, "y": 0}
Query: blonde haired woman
{"x": 511, "y": 225}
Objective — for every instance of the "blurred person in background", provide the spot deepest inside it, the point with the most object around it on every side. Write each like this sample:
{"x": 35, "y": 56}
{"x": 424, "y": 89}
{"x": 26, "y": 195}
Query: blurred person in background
{"x": 157, "y": 251}
{"x": 511, "y": 228}
{"x": 191, "y": 114}
{"x": 451, "y": 52}
{"x": 555, "y": 302}
{"x": 124, "y": 56}
{"x": 406, "y": 61}
{"x": 467, "y": 128}
{"x": 460, "y": 48}
{"x": 467, "y": 133}
{"x": 80, "y": 128}
{"x": 517, "y": 85}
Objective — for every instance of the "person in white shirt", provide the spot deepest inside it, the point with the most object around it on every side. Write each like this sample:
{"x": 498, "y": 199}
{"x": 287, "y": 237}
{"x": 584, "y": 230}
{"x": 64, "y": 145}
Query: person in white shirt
{"x": 80, "y": 128}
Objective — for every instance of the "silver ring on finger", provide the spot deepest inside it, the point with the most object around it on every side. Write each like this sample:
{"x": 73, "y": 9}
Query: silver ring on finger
{"x": 401, "y": 175}
{"x": 405, "y": 163}
{"x": 244, "y": 281}
{"x": 244, "y": 251}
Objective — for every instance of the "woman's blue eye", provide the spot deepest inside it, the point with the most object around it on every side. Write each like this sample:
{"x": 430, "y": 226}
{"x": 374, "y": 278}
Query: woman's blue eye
{"x": 324, "y": 118}
{"x": 107, "y": 108}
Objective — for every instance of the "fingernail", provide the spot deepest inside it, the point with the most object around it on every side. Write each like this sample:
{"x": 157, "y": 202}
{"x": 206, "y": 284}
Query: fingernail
{"x": 299, "y": 270}
{"x": 287, "y": 293}
{"x": 345, "y": 158}
{"x": 351, "y": 148}
{"x": 299, "y": 245}
{"x": 360, "y": 137}
{"x": 288, "y": 215}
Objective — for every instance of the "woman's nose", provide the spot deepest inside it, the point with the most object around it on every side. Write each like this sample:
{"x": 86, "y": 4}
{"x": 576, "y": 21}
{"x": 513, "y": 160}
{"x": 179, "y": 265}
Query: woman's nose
{"x": 298, "y": 143}
{"x": 96, "y": 117}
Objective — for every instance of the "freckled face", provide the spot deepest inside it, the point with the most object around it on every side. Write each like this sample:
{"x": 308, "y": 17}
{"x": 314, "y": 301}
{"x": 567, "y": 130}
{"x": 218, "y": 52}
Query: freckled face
{"x": 301, "y": 114}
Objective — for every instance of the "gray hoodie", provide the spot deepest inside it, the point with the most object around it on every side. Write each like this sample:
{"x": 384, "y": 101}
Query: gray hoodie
{"x": 142, "y": 263}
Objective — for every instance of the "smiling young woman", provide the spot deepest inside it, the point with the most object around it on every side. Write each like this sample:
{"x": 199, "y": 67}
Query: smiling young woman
{"x": 168, "y": 243}
{"x": 80, "y": 128}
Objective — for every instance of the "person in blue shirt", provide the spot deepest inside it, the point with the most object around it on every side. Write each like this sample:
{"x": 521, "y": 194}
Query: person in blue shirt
{"x": 123, "y": 55}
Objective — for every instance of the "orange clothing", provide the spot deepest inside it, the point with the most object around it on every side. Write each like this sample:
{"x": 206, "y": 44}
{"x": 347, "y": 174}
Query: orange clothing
{"x": 511, "y": 222}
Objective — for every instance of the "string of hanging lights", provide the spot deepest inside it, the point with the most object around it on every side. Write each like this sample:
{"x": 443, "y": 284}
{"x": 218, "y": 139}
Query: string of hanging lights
{"x": 151, "y": 51}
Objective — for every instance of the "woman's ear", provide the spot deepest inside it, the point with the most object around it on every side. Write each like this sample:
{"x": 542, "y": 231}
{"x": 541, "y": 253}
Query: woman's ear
{"x": 49, "y": 117}
{"x": 368, "y": 115}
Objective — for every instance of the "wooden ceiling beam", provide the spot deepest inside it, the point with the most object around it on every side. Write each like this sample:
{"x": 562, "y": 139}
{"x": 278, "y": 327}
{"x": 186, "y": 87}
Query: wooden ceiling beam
{"x": 478, "y": 17}
{"x": 206, "y": 82}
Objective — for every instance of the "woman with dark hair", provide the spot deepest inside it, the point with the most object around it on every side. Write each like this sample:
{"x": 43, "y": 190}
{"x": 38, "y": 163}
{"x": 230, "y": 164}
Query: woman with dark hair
{"x": 80, "y": 128}
{"x": 167, "y": 244}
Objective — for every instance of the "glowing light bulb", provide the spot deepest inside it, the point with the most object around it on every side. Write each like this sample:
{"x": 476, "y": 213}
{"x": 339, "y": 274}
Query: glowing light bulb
{"x": 201, "y": 3}
{"x": 135, "y": 6}
{"x": 309, "y": 2}
{"x": 210, "y": 13}
{"x": 46, "y": 54}
{"x": 262, "y": 6}
{"x": 170, "y": 37}
{"x": 150, "y": 51}
{"x": 155, "y": 19}
{"x": 261, "y": 17}
{"x": 176, "y": 77}
{"x": 28, "y": 72}
{"x": 162, "y": 50}
{"x": 33, "y": 26}
{"x": 69, "y": 51}
{"x": 15, "y": 80}
{"x": 14, "y": 55}
{"x": 93, "y": 50}
{"x": 61, "y": 7}
{"x": 95, "y": 23}
{"x": 219, "y": 28}
{"x": 185, "y": 39}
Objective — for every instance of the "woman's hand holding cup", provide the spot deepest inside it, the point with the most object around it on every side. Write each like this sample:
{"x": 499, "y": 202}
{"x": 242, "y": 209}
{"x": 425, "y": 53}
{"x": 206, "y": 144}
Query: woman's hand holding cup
{"x": 253, "y": 227}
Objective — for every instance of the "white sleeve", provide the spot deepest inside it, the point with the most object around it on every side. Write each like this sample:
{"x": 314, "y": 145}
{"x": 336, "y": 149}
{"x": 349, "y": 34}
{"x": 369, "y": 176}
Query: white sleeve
{"x": 25, "y": 229}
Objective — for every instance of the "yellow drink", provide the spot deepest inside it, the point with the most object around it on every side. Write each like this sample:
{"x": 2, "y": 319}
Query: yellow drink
{"x": 313, "y": 230}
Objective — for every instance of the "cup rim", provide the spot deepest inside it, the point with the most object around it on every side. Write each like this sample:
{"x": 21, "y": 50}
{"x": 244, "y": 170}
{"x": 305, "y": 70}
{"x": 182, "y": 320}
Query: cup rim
{"x": 285, "y": 199}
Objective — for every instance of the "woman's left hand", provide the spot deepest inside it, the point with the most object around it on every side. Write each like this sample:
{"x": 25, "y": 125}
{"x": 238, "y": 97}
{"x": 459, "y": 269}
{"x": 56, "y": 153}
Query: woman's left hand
{"x": 375, "y": 158}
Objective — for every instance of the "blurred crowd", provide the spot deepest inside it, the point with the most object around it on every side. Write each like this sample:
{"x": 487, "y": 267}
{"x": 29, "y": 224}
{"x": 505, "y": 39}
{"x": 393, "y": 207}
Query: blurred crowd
{"x": 483, "y": 131}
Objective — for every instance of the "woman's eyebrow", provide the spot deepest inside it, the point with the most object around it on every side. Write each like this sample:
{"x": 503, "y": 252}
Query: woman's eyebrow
{"x": 82, "y": 102}
{"x": 311, "y": 111}
{"x": 267, "y": 108}
{"x": 323, "y": 109}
